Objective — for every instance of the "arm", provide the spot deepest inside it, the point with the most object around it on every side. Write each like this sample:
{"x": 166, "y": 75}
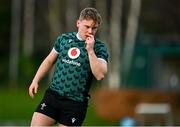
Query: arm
{"x": 98, "y": 67}
{"x": 44, "y": 68}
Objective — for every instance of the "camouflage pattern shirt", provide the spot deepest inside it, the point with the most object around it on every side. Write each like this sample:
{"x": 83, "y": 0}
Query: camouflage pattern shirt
{"x": 72, "y": 77}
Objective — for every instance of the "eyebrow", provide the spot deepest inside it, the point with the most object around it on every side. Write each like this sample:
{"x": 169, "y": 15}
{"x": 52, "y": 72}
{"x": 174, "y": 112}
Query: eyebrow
{"x": 90, "y": 26}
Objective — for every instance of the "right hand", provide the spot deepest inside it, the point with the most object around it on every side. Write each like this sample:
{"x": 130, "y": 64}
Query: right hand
{"x": 33, "y": 89}
{"x": 89, "y": 42}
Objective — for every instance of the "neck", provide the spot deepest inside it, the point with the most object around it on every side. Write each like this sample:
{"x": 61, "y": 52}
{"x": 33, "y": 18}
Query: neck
{"x": 79, "y": 37}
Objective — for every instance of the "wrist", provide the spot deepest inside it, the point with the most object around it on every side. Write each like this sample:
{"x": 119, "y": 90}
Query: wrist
{"x": 91, "y": 51}
{"x": 35, "y": 81}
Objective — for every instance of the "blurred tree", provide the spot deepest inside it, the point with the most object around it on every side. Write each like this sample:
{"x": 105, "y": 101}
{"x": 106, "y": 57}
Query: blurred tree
{"x": 102, "y": 8}
{"x": 130, "y": 37}
{"x": 84, "y": 3}
{"x": 115, "y": 40}
{"x": 15, "y": 41}
{"x": 55, "y": 18}
{"x": 160, "y": 17}
{"x": 28, "y": 42}
{"x": 71, "y": 14}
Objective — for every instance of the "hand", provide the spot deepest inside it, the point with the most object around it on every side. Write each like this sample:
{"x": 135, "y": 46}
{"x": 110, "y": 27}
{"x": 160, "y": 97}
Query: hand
{"x": 33, "y": 89}
{"x": 89, "y": 42}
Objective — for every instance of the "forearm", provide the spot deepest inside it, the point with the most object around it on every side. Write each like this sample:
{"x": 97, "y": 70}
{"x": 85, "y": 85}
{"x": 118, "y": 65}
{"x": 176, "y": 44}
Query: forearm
{"x": 99, "y": 68}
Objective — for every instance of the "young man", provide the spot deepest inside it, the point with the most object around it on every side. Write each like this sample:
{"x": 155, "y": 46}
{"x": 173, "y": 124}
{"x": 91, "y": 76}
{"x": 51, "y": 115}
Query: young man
{"x": 78, "y": 57}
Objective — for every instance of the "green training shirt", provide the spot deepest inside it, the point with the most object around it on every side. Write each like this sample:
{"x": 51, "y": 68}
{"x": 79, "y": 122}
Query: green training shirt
{"x": 72, "y": 77}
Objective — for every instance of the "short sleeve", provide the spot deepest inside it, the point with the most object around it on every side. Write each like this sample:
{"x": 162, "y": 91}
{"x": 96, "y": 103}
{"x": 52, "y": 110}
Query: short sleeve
{"x": 101, "y": 51}
{"x": 57, "y": 44}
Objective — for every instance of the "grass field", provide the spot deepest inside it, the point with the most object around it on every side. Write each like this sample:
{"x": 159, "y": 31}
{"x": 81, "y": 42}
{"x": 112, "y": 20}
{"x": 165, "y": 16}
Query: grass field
{"x": 16, "y": 108}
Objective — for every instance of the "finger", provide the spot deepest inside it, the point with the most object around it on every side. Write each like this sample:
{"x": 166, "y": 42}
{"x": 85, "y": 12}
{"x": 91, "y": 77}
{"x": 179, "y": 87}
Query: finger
{"x": 36, "y": 89}
{"x": 88, "y": 38}
{"x": 31, "y": 92}
{"x": 89, "y": 35}
{"x": 32, "y": 95}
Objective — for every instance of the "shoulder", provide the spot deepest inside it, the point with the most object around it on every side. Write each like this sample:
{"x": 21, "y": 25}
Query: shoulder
{"x": 99, "y": 43}
{"x": 101, "y": 50}
{"x": 70, "y": 35}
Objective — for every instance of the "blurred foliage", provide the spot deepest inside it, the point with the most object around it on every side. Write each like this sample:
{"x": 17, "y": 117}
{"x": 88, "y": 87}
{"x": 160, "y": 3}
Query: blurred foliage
{"x": 5, "y": 14}
{"x": 28, "y": 67}
{"x": 159, "y": 20}
{"x": 17, "y": 106}
{"x": 160, "y": 16}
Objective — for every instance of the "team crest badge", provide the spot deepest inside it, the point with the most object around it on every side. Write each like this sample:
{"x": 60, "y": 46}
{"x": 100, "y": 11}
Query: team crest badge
{"x": 73, "y": 53}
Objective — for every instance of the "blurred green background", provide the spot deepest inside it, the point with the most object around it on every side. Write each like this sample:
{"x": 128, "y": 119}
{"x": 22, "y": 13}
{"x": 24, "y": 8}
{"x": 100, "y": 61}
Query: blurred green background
{"x": 143, "y": 37}
{"x": 17, "y": 109}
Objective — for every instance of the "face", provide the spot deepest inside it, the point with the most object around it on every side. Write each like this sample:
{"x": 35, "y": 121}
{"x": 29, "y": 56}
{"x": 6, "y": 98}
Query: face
{"x": 86, "y": 28}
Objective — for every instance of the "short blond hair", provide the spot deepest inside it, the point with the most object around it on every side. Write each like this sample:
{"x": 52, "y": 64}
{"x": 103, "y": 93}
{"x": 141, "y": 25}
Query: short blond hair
{"x": 90, "y": 13}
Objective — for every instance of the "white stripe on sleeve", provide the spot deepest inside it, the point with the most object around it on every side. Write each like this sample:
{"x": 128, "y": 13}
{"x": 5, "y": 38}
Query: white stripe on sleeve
{"x": 55, "y": 50}
{"x": 104, "y": 61}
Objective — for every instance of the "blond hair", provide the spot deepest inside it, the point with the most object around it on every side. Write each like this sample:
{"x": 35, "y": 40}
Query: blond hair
{"x": 91, "y": 13}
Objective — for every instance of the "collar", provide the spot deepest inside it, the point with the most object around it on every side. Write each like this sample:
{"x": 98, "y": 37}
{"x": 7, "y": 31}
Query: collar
{"x": 77, "y": 35}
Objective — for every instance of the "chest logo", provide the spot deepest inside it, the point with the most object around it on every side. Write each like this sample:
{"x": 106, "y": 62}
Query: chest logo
{"x": 73, "y": 53}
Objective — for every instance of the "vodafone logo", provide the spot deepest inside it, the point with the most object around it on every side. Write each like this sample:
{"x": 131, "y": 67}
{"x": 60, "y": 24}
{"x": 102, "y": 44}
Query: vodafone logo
{"x": 73, "y": 53}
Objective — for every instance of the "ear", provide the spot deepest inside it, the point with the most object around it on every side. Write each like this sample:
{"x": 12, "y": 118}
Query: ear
{"x": 77, "y": 23}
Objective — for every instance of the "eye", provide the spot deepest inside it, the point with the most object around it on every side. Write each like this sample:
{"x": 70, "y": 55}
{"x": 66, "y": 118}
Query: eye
{"x": 87, "y": 27}
{"x": 94, "y": 28}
